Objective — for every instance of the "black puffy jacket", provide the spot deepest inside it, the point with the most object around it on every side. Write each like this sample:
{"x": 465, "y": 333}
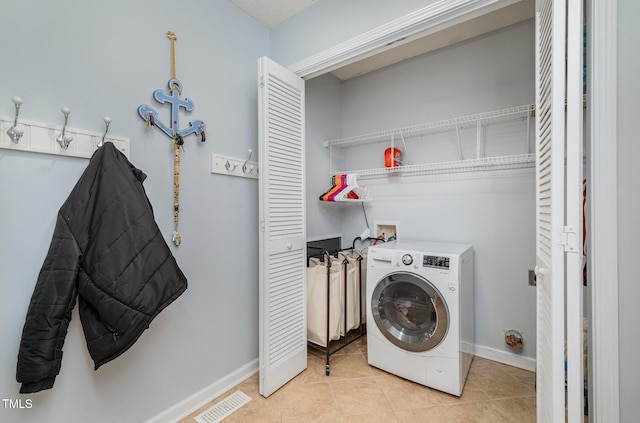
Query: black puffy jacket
{"x": 108, "y": 251}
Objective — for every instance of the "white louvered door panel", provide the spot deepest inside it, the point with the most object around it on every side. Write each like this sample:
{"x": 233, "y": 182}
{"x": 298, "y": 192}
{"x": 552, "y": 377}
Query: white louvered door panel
{"x": 282, "y": 326}
{"x": 574, "y": 175}
{"x": 550, "y": 264}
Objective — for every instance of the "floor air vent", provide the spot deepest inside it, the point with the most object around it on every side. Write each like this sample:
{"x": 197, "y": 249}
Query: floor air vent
{"x": 223, "y": 408}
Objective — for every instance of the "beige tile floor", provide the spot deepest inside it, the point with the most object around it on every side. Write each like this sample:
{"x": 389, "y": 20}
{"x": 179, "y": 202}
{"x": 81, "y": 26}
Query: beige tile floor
{"x": 356, "y": 392}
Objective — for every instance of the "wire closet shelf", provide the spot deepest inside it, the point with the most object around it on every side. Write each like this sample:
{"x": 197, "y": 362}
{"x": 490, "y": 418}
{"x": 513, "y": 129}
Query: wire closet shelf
{"x": 479, "y": 121}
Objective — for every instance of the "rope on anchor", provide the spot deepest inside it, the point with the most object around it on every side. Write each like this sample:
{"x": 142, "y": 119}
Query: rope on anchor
{"x": 173, "y": 39}
{"x": 177, "y": 143}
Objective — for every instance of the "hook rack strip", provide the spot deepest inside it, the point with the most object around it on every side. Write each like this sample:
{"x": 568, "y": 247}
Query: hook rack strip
{"x": 41, "y": 138}
{"x": 233, "y": 166}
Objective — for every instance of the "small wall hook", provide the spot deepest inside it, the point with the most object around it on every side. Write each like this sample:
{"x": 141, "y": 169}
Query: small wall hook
{"x": 14, "y": 132}
{"x": 227, "y": 166}
{"x": 107, "y": 121}
{"x": 64, "y": 139}
{"x": 244, "y": 165}
{"x": 200, "y": 132}
{"x": 150, "y": 120}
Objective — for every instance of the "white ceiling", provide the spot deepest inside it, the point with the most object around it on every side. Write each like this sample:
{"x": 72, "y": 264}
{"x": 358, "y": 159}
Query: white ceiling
{"x": 271, "y": 12}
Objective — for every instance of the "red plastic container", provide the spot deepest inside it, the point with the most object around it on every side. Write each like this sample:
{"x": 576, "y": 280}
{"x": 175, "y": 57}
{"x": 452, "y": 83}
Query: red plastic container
{"x": 392, "y": 157}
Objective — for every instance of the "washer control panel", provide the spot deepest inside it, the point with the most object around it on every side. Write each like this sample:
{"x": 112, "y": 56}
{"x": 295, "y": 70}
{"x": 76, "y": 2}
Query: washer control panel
{"x": 436, "y": 261}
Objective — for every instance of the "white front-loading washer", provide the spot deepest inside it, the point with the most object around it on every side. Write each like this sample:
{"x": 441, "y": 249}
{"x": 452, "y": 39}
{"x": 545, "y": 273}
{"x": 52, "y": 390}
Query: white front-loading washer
{"x": 420, "y": 312}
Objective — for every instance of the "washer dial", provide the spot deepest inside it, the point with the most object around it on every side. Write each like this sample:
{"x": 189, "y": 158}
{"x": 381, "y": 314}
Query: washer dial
{"x": 407, "y": 259}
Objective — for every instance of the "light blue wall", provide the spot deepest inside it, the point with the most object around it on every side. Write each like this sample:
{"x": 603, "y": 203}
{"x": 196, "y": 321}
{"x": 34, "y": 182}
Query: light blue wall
{"x": 493, "y": 212}
{"x": 331, "y": 22}
{"x": 323, "y": 121}
{"x": 490, "y": 72}
{"x": 628, "y": 206}
{"x": 106, "y": 59}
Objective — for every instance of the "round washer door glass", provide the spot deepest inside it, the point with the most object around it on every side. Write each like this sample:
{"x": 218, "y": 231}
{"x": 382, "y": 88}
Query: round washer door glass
{"x": 410, "y": 312}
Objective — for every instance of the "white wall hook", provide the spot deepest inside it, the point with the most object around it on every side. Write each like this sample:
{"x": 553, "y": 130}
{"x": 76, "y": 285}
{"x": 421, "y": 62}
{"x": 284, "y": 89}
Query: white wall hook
{"x": 244, "y": 165}
{"x": 107, "y": 121}
{"x": 14, "y": 132}
{"x": 65, "y": 139}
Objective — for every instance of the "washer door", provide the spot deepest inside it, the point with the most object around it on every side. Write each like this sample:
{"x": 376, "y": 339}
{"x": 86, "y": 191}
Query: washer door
{"x": 410, "y": 312}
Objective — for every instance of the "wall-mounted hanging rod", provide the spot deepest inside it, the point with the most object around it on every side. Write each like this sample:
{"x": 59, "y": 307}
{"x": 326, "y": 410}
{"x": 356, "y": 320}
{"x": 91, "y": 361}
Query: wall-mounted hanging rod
{"x": 14, "y": 132}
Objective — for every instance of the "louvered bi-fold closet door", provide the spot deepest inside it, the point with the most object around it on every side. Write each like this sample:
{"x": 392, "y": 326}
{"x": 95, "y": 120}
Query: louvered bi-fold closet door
{"x": 572, "y": 236}
{"x": 550, "y": 262}
{"x": 282, "y": 326}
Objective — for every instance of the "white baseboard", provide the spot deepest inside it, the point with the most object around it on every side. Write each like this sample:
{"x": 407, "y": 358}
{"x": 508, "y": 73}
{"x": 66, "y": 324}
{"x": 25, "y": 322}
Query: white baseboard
{"x": 202, "y": 397}
{"x": 505, "y": 357}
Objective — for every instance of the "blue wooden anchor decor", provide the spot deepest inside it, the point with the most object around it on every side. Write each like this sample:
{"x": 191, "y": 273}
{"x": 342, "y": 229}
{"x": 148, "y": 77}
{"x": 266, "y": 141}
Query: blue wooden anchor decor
{"x": 173, "y": 131}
